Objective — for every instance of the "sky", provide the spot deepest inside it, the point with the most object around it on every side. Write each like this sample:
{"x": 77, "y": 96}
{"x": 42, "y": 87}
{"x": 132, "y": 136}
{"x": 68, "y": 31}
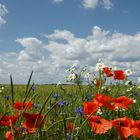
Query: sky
{"x": 48, "y": 36}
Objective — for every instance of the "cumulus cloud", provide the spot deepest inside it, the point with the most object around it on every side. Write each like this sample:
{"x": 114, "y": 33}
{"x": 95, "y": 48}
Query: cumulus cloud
{"x": 3, "y": 12}
{"x": 92, "y": 4}
{"x": 32, "y": 51}
{"x": 50, "y": 59}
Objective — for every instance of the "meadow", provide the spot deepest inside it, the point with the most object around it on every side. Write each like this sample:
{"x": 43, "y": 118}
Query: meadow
{"x": 95, "y": 111}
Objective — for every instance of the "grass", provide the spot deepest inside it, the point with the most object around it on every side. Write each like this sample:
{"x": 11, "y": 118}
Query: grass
{"x": 58, "y": 117}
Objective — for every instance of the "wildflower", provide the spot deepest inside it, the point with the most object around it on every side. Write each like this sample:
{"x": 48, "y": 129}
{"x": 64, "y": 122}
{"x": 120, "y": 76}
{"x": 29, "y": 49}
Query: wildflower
{"x": 99, "y": 66}
{"x": 98, "y": 82}
{"x": 128, "y": 83}
{"x": 99, "y": 111}
{"x": 20, "y": 106}
{"x": 103, "y": 100}
{"x": 119, "y": 75}
{"x": 56, "y": 96}
{"x": 33, "y": 87}
{"x": 7, "y": 97}
{"x": 24, "y": 129}
{"x": 72, "y": 68}
{"x": 79, "y": 110}
{"x": 128, "y": 72}
{"x": 33, "y": 120}
{"x": 134, "y": 101}
{"x": 72, "y": 77}
{"x": 9, "y": 135}
{"x": 8, "y": 120}
{"x": 122, "y": 102}
{"x": 107, "y": 71}
{"x": 129, "y": 89}
{"x": 0, "y": 91}
{"x": 87, "y": 75}
{"x": 123, "y": 126}
{"x": 62, "y": 103}
{"x": 99, "y": 125}
{"x": 2, "y": 88}
{"x": 136, "y": 129}
{"x": 70, "y": 126}
{"x": 90, "y": 107}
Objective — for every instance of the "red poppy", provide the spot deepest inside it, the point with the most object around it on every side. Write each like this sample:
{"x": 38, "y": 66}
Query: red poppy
{"x": 26, "y": 129}
{"x": 90, "y": 107}
{"x": 123, "y": 126}
{"x": 8, "y": 120}
{"x": 99, "y": 125}
{"x": 9, "y": 135}
{"x": 107, "y": 71}
{"x": 70, "y": 127}
{"x": 119, "y": 75}
{"x": 33, "y": 120}
{"x": 136, "y": 129}
{"x": 20, "y": 106}
{"x": 104, "y": 100}
{"x": 122, "y": 102}
{"x": 98, "y": 82}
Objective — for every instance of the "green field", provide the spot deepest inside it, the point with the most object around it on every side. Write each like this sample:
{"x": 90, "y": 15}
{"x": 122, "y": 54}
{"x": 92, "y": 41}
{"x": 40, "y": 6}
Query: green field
{"x": 59, "y": 117}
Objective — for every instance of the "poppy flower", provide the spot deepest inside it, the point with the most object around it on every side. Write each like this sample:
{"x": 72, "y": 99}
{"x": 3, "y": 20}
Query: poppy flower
{"x": 136, "y": 129}
{"x": 107, "y": 71}
{"x": 104, "y": 100}
{"x": 122, "y": 102}
{"x": 123, "y": 126}
{"x": 9, "y": 135}
{"x": 98, "y": 82}
{"x": 90, "y": 107}
{"x": 24, "y": 129}
{"x": 99, "y": 125}
{"x": 20, "y": 106}
{"x": 7, "y": 120}
{"x": 32, "y": 120}
{"x": 119, "y": 75}
{"x": 70, "y": 127}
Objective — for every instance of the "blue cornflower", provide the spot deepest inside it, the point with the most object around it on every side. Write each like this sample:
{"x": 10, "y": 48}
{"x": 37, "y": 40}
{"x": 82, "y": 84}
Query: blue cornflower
{"x": 33, "y": 87}
{"x": 62, "y": 103}
{"x": 22, "y": 129}
{"x": 56, "y": 96}
{"x": 82, "y": 78}
{"x": 7, "y": 97}
{"x": 79, "y": 110}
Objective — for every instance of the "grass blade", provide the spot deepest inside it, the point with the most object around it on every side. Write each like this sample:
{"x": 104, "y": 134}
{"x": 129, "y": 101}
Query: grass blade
{"x": 12, "y": 89}
{"x": 28, "y": 84}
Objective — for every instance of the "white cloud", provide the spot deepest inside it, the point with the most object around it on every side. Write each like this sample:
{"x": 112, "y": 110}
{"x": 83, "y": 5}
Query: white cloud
{"x": 57, "y": 1}
{"x": 49, "y": 60}
{"x": 92, "y": 4}
{"x": 32, "y": 51}
{"x": 3, "y": 12}
{"x": 107, "y": 4}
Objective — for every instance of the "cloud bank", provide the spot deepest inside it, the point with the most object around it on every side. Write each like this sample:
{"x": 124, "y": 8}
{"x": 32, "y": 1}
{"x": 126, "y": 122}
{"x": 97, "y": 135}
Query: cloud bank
{"x": 50, "y": 60}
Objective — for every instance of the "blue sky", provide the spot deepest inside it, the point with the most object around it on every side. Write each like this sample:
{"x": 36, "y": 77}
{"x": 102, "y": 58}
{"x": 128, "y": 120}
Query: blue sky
{"x": 35, "y": 21}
